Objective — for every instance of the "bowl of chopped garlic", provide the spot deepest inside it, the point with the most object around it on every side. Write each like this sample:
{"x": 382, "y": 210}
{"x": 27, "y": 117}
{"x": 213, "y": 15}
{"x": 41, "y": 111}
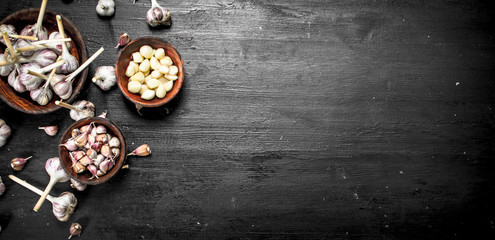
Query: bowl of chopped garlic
{"x": 150, "y": 72}
{"x": 12, "y": 91}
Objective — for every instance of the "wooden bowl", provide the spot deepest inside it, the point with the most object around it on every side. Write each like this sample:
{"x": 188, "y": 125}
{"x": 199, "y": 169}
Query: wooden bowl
{"x": 124, "y": 59}
{"x": 86, "y": 176}
{"x": 22, "y": 101}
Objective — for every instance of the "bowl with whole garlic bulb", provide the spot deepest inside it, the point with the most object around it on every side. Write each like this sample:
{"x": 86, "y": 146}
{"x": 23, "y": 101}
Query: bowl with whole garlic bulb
{"x": 14, "y": 78}
{"x": 92, "y": 150}
{"x": 150, "y": 72}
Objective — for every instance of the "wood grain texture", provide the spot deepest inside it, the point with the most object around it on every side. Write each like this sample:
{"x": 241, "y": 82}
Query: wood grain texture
{"x": 297, "y": 120}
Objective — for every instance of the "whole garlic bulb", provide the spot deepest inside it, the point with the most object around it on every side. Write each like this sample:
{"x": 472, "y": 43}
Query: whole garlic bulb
{"x": 4, "y": 132}
{"x": 105, "y": 77}
{"x": 64, "y": 205}
{"x": 105, "y": 8}
{"x": 7, "y": 69}
{"x": 158, "y": 15}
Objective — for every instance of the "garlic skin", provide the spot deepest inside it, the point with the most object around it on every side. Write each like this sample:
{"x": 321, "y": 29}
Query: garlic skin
{"x": 105, "y": 8}
{"x": 64, "y": 206}
{"x": 105, "y": 77}
{"x": 5, "y": 132}
{"x": 75, "y": 229}
{"x": 50, "y": 130}
{"x": 124, "y": 39}
{"x": 158, "y": 15}
{"x": 7, "y": 69}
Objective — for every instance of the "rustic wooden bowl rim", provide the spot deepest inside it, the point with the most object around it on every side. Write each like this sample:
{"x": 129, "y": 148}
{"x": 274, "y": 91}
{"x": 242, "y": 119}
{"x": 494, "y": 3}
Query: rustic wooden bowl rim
{"x": 32, "y": 108}
{"x": 66, "y": 163}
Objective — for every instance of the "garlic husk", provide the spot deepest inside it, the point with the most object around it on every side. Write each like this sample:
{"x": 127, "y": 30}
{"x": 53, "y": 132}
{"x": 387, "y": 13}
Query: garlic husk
{"x": 2, "y": 186}
{"x": 143, "y": 150}
{"x": 29, "y": 30}
{"x": 6, "y": 69}
{"x": 105, "y": 8}
{"x": 10, "y": 30}
{"x": 124, "y": 39}
{"x": 158, "y": 15}
{"x": 50, "y": 130}
{"x": 105, "y": 77}
{"x": 18, "y": 163}
{"x": 75, "y": 229}
{"x": 54, "y": 168}
{"x": 79, "y": 186}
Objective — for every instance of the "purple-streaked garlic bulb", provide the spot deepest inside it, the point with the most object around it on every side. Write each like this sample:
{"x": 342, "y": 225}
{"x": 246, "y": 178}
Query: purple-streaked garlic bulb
{"x": 71, "y": 62}
{"x": 42, "y": 95}
{"x": 58, "y": 46}
{"x": 21, "y": 43}
{"x": 37, "y": 29}
{"x": 32, "y": 82}
{"x": 158, "y": 15}
{"x": 54, "y": 168}
{"x": 44, "y": 57}
{"x": 14, "y": 82}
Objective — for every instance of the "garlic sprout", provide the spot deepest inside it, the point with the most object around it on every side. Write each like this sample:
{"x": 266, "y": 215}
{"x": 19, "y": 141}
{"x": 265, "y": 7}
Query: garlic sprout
{"x": 71, "y": 62}
{"x": 4, "y": 132}
{"x": 57, "y": 174}
{"x": 63, "y": 205}
{"x": 37, "y": 30}
{"x": 105, "y": 77}
{"x": 158, "y": 15}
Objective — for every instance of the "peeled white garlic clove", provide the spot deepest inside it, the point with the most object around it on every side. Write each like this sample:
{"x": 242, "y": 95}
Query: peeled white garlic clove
{"x": 158, "y": 15}
{"x": 105, "y": 8}
{"x": 105, "y": 77}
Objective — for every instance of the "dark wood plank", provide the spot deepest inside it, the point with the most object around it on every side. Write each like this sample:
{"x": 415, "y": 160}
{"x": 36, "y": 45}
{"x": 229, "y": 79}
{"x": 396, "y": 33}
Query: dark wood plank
{"x": 297, "y": 120}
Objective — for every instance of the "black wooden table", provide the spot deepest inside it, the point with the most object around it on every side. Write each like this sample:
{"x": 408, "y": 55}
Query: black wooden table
{"x": 297, "y": 120}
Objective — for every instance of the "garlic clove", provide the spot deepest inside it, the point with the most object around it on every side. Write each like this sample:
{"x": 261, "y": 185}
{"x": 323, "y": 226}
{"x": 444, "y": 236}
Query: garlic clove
{"x": 124, "y": 39}
{"x": 143, "y": 150}
{"x": 70, "y": 145}
{"x": 78, "y": 167}
{"x": 50, "y": 130}
{"x": 75, "y": 229}
{"x": 93, "y": 170}
{"x": 79, "y": 186}
{"x": 2, "y": 187}
{"x": 106, "y": 151}
{"x": 18, "y": 163}
{"x": 114, "y": 142}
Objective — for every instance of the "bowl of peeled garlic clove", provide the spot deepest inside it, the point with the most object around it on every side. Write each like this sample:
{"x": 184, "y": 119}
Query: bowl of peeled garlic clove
{"x": 150, "y": 72}
{"x": 22, "y": 101}
{"x": 92, "y": 150}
